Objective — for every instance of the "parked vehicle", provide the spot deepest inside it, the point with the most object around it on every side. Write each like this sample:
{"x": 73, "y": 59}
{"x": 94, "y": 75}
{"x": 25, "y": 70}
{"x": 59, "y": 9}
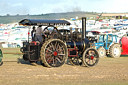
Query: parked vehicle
{"x": 107, "y": 44}
{"x": 54, "y": 50}
{"x": 1, "y": 56}
{"x": 124, "y": 44}
{"x": 92, "y": 36}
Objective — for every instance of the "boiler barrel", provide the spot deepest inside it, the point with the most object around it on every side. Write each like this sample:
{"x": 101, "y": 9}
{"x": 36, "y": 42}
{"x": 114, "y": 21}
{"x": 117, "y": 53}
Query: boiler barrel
{"x": 81, "y": 45}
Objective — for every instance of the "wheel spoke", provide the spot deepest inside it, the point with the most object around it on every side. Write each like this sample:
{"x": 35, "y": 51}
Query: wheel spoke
{"x": 87, "y": 60}
{"x": 48, "y": 55}
{"x": 49, "y": 60}
{"x": 93, "y": 61}
{"x": 49, "y": 50}
{"x": 60, "y": 48}
{"x": 52, "y": 46}
{"x": 58, "y": 59}
{"x": 53, "y": 62}
{"x": 86, "y": 55}
{"x": 61, "y": 57}
{"x": 56, "y": 45}
{"x": 61, "y": 54}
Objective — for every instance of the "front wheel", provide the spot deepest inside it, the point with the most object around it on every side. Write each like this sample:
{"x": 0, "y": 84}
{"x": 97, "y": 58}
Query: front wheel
{"x": 102, "y": 52}
{"x": 90, "y": 57}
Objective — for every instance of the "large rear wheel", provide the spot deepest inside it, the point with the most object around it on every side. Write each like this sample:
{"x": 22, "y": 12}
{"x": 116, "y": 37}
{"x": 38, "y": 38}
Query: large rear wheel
{"x": 54, "y": 53}
{"x": 90, "y": 57}
{"x": 115, "y": 51}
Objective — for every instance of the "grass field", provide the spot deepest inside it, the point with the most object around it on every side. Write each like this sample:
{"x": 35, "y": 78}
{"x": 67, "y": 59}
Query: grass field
{"x": 109, "y": 71}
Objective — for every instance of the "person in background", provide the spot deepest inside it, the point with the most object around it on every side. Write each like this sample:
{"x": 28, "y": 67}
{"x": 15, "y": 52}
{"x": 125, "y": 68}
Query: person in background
{"x": 33, "y": 33}
{"x": 38, "y": 36}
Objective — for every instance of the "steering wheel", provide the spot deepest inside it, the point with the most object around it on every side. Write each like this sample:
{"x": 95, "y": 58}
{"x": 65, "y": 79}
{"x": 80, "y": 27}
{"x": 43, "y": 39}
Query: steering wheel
{"x": 46, "y": 31}
{"x": 53, "y": 34}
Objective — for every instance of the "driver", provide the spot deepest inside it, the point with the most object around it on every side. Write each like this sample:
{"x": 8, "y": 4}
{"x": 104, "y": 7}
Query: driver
{"x": 38, "y": 34}
{"x": 33, "y": 33}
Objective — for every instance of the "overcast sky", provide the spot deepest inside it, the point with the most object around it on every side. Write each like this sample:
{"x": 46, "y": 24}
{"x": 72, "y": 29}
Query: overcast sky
{"x": 14, "y": 7}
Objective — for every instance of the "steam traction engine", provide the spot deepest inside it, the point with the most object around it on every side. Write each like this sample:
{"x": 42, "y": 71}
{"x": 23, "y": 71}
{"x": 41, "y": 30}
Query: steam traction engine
{"x": 59, "y": 45}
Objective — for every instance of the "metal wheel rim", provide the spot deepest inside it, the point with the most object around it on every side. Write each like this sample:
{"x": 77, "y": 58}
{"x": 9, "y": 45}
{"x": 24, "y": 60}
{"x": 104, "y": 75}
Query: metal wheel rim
{"x": 55, "y": 60}
{"x": 91, "y": 58}
{"x": 116, "y": 51}
{"x": 102, "y": 52}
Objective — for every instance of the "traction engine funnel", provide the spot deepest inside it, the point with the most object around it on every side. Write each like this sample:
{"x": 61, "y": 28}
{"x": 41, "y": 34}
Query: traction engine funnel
{"x": 83, "y": 28}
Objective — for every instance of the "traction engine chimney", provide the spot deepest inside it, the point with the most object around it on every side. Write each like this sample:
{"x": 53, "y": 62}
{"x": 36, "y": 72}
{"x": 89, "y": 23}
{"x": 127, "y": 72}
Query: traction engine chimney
{"x": 83, "y": 28}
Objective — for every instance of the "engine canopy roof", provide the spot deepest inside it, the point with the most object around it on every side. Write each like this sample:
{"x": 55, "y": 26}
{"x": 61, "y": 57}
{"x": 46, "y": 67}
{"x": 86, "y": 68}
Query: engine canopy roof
{"x": 29, "y": 22}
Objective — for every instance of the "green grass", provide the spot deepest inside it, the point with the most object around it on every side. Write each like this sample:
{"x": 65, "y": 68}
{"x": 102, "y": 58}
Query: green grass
{"x": 12, "y": 56}
{"x": 13, "y": 50}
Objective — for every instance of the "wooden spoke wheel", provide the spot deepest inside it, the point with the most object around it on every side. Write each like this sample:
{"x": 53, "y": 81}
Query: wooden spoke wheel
{"x": 53, "y": 53}
{"x": 90, "y": 57}
{"x": 75, "y": 61}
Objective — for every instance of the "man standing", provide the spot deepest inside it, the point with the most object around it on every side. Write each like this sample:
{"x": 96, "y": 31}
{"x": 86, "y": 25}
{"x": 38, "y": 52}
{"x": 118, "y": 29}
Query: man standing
{"x": 39, "y": 34}
{"x": 33, "y": 33}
